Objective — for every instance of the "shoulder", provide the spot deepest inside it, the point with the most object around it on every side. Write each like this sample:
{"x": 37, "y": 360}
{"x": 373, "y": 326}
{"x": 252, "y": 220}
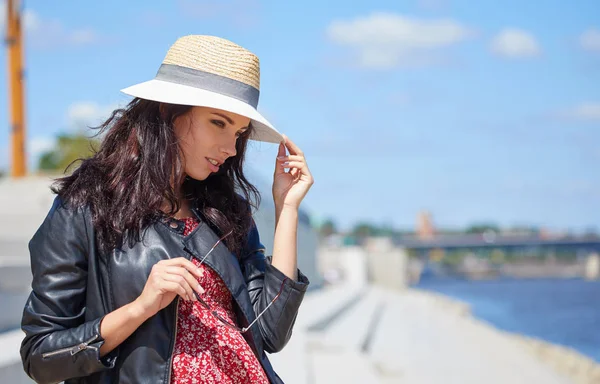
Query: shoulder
{"x": 64, "y": 210}
{"x": 64, "y": 218}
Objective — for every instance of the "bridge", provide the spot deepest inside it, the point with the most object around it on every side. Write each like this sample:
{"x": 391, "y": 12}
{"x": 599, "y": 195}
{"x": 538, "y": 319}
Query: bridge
{"x": 491, "y": 254}
{"x": 492, "y": 240}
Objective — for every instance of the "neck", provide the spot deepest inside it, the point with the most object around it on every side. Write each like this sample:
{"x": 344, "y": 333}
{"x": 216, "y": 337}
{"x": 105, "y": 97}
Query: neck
{"x": 185, "y": 209}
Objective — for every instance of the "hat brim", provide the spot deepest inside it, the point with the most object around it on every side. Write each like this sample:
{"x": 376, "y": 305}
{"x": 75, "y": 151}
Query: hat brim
{"x": 166, "y": 92}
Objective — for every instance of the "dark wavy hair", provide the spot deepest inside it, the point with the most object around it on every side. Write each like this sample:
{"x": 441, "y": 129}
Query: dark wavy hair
{"x": 136, "y": 176}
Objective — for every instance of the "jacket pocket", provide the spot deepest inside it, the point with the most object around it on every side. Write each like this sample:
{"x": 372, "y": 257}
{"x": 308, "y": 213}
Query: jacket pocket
{"x": 72, "y": 350}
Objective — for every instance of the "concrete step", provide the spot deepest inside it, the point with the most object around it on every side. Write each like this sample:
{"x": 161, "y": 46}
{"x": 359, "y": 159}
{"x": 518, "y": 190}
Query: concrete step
{"x": 353, "y": 330}
{"x": 342, "y": 367}
{"x": 24, "y": 204}
{"x": 318, "y": 307}
{"x": 11, "y": 368}
{"x": 299, "y": 363}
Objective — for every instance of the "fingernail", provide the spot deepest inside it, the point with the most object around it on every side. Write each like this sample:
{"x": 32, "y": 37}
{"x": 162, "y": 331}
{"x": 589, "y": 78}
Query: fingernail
{"x": 285, "y": 164}
{"x": 200, "y": 289}
{"x": 199, "y": 271}
{"x": 281, "y": 157}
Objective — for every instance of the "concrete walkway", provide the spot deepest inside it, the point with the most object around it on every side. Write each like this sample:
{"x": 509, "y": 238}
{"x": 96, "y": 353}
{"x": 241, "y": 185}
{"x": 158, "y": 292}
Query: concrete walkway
{"x": 410, "y": 337}
{"x": 370, "y": 335}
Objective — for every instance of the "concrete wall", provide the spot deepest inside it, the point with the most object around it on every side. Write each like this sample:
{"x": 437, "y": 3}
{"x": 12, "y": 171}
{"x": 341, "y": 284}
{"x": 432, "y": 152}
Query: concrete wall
{"x": 307, "y": 240}
{"x": 378, "y": 262}
{"x": 388, "y": 265}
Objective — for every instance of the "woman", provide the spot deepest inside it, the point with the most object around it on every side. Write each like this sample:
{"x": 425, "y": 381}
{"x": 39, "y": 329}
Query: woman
{"x": 149, "y": 268}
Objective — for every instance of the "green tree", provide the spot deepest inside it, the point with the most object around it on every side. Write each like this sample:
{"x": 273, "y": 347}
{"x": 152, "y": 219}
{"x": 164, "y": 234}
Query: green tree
{"x": 483, "y": 227}
{"x": 328, "y": 228}
{"x": 68, "y": 149}
{"x": 362, "y": 230}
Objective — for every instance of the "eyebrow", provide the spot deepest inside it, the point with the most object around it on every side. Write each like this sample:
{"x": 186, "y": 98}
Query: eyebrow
{"x": 229, "y": 120}
{"x": 225, "y": 117}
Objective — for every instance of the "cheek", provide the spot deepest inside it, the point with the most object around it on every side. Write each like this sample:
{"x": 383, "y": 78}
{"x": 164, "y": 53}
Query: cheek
{"x": 195, "y": 150}
{"x": 188, "y": 142}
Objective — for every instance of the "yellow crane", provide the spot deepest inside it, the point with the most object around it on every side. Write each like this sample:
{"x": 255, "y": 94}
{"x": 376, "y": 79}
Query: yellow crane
{"x": 16, "y": 80}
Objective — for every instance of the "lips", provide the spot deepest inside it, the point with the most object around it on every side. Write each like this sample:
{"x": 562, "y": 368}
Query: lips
{"x": 213, "y": 164}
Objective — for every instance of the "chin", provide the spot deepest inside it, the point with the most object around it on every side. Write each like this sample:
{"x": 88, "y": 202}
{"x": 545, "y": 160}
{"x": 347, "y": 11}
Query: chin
{"x": 200, "y": 176}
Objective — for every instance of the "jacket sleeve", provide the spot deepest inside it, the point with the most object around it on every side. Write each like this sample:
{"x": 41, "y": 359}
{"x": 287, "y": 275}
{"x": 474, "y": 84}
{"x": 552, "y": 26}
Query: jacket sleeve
{"x": 59, "y": 343}
{"x": 264, "y": 282}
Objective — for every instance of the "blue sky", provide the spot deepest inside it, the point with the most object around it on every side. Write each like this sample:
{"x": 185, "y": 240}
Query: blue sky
{"x": 474, "y": 111}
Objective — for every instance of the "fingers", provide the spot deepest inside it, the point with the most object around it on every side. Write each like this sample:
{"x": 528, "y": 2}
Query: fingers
{"x": 184, "y": 274}
{"x": 181, "y": 287}
{"x": 184, "y": 263}
{"x": 280, "y": 153}
{"x": 173, "y": 286}
{"x": 287, "y": 161}
{"x": 292, "y": 147}
{"x": 291, "y": 158}
{"x": 294, "y": 164}
{"x": 281, "y": 150}
{"x": 185, "y": 279}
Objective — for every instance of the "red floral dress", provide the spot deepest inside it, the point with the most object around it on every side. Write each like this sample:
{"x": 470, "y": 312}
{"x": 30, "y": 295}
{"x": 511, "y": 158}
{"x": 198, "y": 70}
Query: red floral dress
{"x": 206, "y": 351}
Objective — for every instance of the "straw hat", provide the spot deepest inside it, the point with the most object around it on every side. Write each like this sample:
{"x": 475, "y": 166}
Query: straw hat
{"x": 212, "y": 72}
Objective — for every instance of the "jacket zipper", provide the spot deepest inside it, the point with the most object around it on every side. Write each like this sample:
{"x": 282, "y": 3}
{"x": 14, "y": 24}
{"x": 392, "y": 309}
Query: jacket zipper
{"x": 74, "y": 350}
{"x": 174, "y": 341}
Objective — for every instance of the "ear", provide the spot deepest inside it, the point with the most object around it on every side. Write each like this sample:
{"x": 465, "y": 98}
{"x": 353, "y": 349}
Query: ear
{"x": 162, "y": 111}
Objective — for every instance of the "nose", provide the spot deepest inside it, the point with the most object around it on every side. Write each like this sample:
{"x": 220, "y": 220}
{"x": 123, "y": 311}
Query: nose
{"x": 229, "y": 147}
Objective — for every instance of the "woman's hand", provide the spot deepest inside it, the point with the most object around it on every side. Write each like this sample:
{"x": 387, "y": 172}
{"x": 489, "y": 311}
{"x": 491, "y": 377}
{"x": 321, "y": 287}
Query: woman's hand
{"x": 168, "y": 279}
{"x": 290, "y": 187}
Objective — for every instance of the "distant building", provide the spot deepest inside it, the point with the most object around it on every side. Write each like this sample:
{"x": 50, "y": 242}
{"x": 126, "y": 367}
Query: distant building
{"x": 425, "y": 229}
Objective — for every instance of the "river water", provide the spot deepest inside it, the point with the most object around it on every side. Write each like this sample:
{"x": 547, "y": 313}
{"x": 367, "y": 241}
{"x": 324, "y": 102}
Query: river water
{"x": 560, "y": 311}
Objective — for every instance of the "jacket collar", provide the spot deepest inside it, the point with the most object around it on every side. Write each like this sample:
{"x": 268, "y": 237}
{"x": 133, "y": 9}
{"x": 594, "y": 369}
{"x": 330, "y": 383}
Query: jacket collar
{"x": 221, "y": 260}
{"x": 199, "y": 243}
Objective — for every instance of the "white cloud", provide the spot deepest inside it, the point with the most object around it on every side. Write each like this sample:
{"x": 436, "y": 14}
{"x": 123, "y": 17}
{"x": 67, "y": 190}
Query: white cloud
{"x": 84, "y": 114}
{"x": 386, "y": 40}
{"x": 36, "y": 147}
{"x": 50, "y": 33}
{"x": 588, "y": 111}
{"x": 39, "y": 145}
{"x": 590, "y": 40}
{"x": 515, "y": 43}
{"x": 79, "y": 117}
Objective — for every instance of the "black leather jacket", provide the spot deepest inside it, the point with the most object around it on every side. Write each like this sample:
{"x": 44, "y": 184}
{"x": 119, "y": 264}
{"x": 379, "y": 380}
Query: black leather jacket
{"x": 75, "y": 285}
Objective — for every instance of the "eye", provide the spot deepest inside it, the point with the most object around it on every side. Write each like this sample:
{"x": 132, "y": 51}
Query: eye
{"x": 241, "y": 133}
{"x": 219, "y": 123}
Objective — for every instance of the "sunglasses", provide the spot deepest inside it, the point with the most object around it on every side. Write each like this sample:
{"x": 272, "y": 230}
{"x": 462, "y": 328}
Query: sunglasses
{"x": 223, "y": 320}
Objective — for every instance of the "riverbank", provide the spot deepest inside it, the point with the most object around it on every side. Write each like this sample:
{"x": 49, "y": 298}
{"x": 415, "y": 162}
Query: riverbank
{"x": 567, "y": 362}
{"x": 416, "y": 336}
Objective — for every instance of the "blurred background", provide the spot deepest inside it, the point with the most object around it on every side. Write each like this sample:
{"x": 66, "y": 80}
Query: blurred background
{"x": 453, "y": 232}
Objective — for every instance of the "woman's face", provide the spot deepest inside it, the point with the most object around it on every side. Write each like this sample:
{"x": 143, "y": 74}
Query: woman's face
{"x": 207, "y": 137}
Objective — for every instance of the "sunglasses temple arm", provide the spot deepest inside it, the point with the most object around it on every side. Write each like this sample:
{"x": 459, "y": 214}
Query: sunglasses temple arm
{"x": 257, "y": 317}
{"x": 215, "y": 246}
{"x": 267, "y": 307}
